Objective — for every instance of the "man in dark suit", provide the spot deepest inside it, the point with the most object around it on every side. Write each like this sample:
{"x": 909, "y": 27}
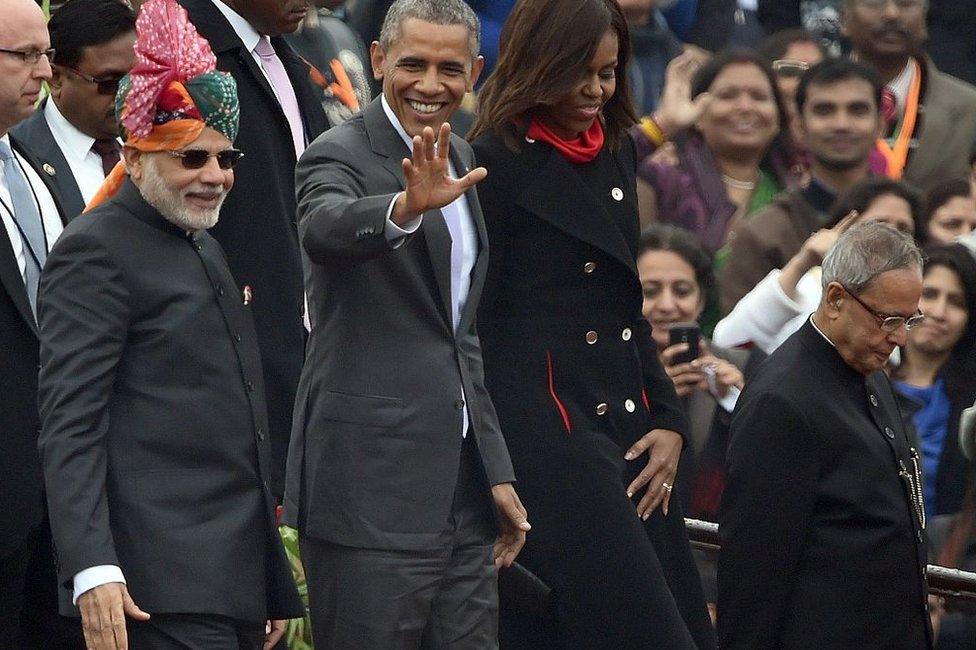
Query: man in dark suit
{"x": 279, "y": 116}
{"x": 154, "y": 440}
{"x": 396, "y": 457}
{"x": 822, "y": 521}
{"x": 74, "y": 132}
{"x": 31, "y": 223}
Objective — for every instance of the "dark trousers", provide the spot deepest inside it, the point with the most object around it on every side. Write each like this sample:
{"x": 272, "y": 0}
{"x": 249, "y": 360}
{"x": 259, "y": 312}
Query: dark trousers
{"x": 443, "y": 597}
{"x": 13, "y": 574}
{"x": 194, "y": 632}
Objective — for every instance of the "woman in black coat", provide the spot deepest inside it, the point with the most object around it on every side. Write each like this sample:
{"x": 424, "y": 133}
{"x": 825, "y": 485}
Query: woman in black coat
{"x": 569, "y": 359}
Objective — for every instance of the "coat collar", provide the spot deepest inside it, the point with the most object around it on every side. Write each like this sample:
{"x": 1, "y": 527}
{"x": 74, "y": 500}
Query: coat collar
{"x": 582, "y": 215}
{"x": 130, "y": 198}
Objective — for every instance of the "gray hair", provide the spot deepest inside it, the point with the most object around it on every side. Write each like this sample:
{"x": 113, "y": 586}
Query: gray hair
{"x": 866, "y": 251}
{"x": 439, "y": 12}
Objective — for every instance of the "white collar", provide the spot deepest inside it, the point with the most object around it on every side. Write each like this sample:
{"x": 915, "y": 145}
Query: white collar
{"x": 72, "y": 142}
{"x": 395, "y": 121}
{"x": 902, "y": 84}
{"x": 820, "y": 332}
{"x": 248, "y": 35}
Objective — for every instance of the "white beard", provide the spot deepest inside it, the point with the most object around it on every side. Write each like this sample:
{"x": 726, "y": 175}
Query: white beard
{"x": 172, "y": 205}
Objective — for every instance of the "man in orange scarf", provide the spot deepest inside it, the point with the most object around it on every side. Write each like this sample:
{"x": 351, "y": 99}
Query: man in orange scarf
{"x": 154, "y": 444}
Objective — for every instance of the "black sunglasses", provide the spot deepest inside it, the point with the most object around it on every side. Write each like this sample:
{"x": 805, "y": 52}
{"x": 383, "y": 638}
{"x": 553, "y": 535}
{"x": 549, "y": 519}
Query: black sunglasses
{"x": 103, "y": 85}
{"x": 197, "y": 158}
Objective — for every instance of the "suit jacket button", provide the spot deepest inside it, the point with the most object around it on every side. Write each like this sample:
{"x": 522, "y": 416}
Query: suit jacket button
{"x": 220, "y": 290}
{"x": 626, "y": 334}
{"x": 589, "y": 267}
{"x": 459, "y": 404}
{"x": 592, "y": 337}
{"x": 889, "y": 432}
{"x": 250, "y": 385}
{"x": 874, "y": 400}
{"x": 601, "y": 408}
{"x": 237, "y": 337}
{"x": 630, "y": 406}
{"x": 260, "y": 433}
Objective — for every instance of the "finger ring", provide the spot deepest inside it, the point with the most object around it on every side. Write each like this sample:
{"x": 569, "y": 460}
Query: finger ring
{"x": 667, "y": 486}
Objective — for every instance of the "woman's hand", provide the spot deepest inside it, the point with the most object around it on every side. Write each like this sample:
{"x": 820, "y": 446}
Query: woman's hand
{"x": 727, "y": 375}
{"x": 812, "y": 252}
{"x": 663, "y": 448}
{"x": 687, "y": 377}
{"x": 678, "y": 110}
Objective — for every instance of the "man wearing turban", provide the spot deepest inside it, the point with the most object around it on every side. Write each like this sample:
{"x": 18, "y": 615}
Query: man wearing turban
{"x": 154, "y": 426}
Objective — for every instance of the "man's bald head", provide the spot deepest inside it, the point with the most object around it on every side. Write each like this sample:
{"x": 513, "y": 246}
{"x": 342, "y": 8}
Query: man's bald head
{"x": 24, "y": 31}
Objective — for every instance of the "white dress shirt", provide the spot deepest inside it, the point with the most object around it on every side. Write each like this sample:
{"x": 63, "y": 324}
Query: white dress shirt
{"x": 45, "y": 203}
{"x": 85, "y": 164}
{"x": 469, "y": 236}
{"x": 249, "y": 37}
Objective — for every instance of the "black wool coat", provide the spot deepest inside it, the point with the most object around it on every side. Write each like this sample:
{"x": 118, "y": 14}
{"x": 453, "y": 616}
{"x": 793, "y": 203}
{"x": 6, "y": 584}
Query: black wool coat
{"x": 575, "y": 379}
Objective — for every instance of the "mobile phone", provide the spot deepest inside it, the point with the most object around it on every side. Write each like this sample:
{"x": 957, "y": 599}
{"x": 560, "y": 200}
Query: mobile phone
{"x": 685, "y": 333}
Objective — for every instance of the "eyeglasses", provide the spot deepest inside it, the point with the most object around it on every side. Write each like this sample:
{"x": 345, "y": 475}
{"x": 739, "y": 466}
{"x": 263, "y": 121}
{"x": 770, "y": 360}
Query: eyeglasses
{"x": 790, "y": 67}
{"x": 197, "y": 158}
{"x": 904, "y": 5}
{"x": 104, "y": 85}
{"x": 31, "y": 57}
{"x": 887, "y": 322}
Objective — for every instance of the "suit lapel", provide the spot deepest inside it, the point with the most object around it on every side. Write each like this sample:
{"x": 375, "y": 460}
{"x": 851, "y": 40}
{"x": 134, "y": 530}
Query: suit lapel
{"x": 35, "y": 132}
{"x": 936, "y": 131}
{"x": 582, "y": 216}
{"x": 13, "y": 281}
{"x": 48, "y": 183}
{"x": 385, "y": 141}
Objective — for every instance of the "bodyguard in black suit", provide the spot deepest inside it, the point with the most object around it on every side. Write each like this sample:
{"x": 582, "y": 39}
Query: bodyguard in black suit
{"x": 397, "y": 456}
{"x": 822, "y": 521}
{"x": 21, "y": 499}
{"x": 257, "y": 229}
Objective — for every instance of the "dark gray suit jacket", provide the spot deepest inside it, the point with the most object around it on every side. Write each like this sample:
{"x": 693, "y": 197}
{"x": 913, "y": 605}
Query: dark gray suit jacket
{"x": 35, "y": 134}
{"x": 375, "y": 448}
{"x": 154, "y": 437}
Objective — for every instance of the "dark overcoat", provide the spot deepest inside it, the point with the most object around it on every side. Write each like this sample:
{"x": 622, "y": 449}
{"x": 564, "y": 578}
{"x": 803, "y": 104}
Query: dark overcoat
{"x": 822, "y": 545}
{"x": 575, "y": 378}
{"x": 258, "y": 225}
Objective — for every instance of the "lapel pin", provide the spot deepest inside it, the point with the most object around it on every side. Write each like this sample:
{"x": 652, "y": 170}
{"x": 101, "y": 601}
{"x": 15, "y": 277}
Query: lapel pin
{"x": 247, "y": 294}
{"x": 48, "y": 169}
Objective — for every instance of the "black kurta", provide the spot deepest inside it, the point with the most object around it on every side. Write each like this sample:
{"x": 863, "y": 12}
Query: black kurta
{"x": 822, "y": 547}
{"x": 575, "y": 379}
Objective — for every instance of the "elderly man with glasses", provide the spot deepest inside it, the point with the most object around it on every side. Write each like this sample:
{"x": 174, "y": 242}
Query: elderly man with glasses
{"x": 823, "y": 523}
{"x": 154, "y": 437}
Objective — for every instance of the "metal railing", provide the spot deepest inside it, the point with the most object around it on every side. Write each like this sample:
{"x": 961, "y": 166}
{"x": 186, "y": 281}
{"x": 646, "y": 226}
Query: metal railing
{"x": 951, "y": 584}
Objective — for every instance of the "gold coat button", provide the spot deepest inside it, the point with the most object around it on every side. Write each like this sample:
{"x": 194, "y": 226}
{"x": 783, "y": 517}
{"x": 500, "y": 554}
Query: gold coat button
{"x": 589, "y": 267}
{"x": 592, "y": 337}
{"x": 617, "y": 194}
{"x": 626, "y": 334}
{"x": 601, "y": 408}
{"x": 630, "y": 406}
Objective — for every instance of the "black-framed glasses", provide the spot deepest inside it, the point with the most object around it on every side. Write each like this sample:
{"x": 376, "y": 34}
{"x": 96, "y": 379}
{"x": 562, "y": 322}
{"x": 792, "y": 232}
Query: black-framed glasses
{"x": 887, "y": 322}
{"x": 197, "y": 158}
{"x": 31, "y": 57}
{"x": 103, "y": 85}
{"x": 790, "y": 67}
{"x": 904, "y": 5}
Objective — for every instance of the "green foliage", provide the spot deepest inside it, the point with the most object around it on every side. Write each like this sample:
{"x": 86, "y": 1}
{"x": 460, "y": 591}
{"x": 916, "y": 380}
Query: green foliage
{"x": 298, "y": 634}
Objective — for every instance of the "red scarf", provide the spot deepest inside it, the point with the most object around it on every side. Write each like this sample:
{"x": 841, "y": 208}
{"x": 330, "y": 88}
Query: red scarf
{"x": 580, "y": 150}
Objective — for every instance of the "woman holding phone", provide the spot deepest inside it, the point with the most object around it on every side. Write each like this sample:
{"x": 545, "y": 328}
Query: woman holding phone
{"x": 591, "y": 419}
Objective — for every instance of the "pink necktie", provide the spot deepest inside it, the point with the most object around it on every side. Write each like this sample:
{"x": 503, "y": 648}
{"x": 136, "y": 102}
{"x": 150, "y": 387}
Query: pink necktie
{"x": 286, "y": 93}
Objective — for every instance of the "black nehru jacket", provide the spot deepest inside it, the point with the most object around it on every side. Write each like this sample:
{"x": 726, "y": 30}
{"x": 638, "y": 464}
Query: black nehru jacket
{"x": 822, "y": 547}
{"x": 155, "y": 439}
